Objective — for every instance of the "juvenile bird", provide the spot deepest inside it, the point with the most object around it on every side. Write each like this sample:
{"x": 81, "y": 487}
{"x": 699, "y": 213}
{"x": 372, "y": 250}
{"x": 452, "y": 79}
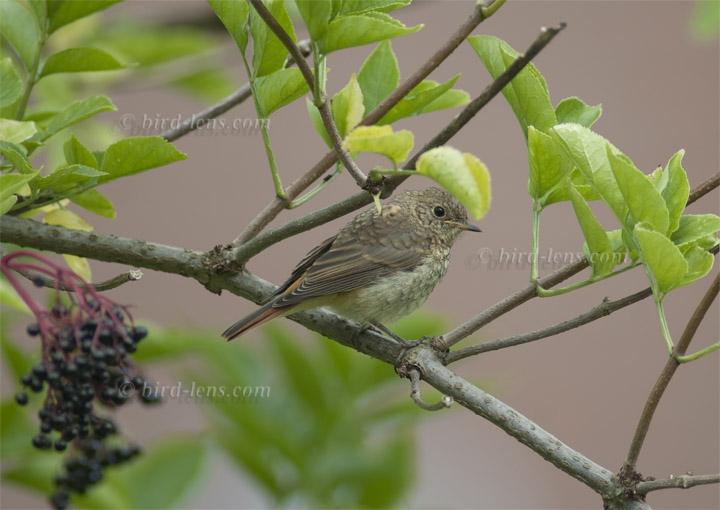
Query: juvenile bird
{"x": 380, "y": 267}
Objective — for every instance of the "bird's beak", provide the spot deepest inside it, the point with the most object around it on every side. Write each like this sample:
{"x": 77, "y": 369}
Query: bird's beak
{"x": 465, "y": 226}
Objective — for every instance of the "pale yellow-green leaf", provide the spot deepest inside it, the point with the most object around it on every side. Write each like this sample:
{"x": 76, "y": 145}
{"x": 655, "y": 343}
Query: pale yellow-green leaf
{"x": 68, "y": 219}
{"x": 10, "y": 298}
{"x": 347, "y": 107}
{"x": 14, "y": 131}
{"x": 380, "y": 140}
{"x": 665, "y": 260}
{"x": 80, "y": 266}
{"x": 463, "y": 175}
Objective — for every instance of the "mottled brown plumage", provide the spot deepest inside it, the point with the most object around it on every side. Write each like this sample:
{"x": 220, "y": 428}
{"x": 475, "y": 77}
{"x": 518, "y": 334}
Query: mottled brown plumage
{"x": 378, "y": 268}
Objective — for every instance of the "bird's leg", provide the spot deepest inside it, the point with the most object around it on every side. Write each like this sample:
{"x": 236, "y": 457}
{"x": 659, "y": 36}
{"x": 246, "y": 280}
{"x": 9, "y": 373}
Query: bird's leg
{"x": 405, "y": 343}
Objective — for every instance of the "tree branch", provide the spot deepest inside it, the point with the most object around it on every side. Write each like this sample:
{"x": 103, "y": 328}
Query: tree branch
{"x": 598, "y": 478}
{"x": 602, "y": 310}
{"x": 277, "y": 205}
{"x": 676, "y": 482}
{"x": 664, "y": 379}
{"x": 357, "y": 174}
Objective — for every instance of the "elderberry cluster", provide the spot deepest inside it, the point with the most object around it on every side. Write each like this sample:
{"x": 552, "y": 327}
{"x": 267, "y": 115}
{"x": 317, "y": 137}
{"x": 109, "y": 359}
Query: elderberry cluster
{"x": 84, "y": 363}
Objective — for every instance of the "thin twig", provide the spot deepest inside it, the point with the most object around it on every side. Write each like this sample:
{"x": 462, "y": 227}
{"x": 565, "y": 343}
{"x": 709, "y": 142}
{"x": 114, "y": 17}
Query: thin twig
{"x": 511, "y": 302}
{"x": 546, "y": 35}
{"x": 416, "y": 394}
{"x": 257, "y": 244}
{"x": 112, "y": 283}
{"x": 676, "y": 482}
{"x": 666, "y": 375}
{"x": 703, "y": 188}
{"x": 287, "y": 41}
{"x": 602, "y": 310}
{"x": 199, "y": 119}
{"x": 277, "y": 205}
{"x": 352, "y": 168}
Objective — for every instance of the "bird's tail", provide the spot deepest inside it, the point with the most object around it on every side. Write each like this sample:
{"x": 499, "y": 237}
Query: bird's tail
{"x": 260, "y": 316}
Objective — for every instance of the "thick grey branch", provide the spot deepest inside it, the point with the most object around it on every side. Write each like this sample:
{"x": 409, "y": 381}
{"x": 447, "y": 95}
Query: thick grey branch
{"x": 598, "y": 478}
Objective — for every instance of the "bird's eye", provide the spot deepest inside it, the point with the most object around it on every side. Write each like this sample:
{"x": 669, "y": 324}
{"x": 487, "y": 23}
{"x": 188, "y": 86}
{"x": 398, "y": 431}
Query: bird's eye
{"x": 438, "y": 211}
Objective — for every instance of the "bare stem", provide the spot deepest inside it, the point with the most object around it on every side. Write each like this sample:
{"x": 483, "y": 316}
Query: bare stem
{"x": 676, "y": 482}
{"x": 357, "y": 174}
{"x": 200, "y": 119}
{"x": 416, "y": 394}
{"x": 666, "y": 375}
{"x": 287, "y": 41}
{"x": 602, "y": 310}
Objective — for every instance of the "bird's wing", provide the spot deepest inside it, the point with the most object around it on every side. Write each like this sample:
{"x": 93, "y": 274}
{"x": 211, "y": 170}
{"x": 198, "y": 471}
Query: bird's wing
{"x": 343, "y": 267}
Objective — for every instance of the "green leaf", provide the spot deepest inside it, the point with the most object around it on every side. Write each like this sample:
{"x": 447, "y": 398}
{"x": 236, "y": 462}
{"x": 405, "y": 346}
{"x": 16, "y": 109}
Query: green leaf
{"x": 165, "y": 474}
{"x": 280, "y": 88}
{"x": 589, "y": 153}
{"x": 77, "y": 153}
{"x": 19, "y": 28}
{"x": 133, "y": 155}
{"x": 14, "y": 432}
{"x": 316, "y": 15}
{"x": 357, "y": 30}
{"x": 317, "y": 122}
{"x": 9, "y": 298}
{"x": 74, "y": 113}
{"x": 347, "y": 107}
{"x": 234, "y": 15}
{"x": 420, "y": 97}
{"x": 675, "y": 189}
{"x": 208, "y": 85}
{"x": 463, "y": 175}
{"x": 70, "y": 10}
{"x": 379, "y": 75}
{"x": 96, "y": 202}
{"x": 360, "y": 6}
{"x": 643, "y": 201}
{"x": 664, "y": 259}
{"x": 76, "y": 60}
{"x": 269, "y": 53}
{"x": 15, "y": 131}
{"x": 66, "y": 177}
{"x": 12, "y": 85}
{"x": 16, "y": 360}
{"x": 601, "y": 252}
{"x": 699, "y": 262}
{"x": 693, "y": 227}
{"x": 573, "y": 109}
{"x": 450, "y": 99}
{"x": 11, "y": 184}
{"x": 18, "y": 160}
{"x": 527, "y": 93}
{"x": 548, "y": 165}
{"x": 380, "y": 140}
{"x": 155, "y": 44}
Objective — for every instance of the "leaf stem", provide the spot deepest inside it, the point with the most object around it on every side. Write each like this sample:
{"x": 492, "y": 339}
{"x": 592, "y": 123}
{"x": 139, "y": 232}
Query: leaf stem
{"x": 534, "y": 244}
{"x": 32, "y": 78}
{"x": 277, "y": 182}
{"x": 579, "y": 285}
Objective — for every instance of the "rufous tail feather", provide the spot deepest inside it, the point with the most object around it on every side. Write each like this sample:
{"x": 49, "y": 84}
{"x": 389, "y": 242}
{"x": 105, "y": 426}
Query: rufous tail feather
{"x": 258, "y": 317}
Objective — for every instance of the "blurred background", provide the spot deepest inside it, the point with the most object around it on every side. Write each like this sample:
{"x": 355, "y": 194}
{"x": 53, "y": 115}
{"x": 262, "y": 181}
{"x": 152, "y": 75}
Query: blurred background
{"x": 656, "y": 74}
